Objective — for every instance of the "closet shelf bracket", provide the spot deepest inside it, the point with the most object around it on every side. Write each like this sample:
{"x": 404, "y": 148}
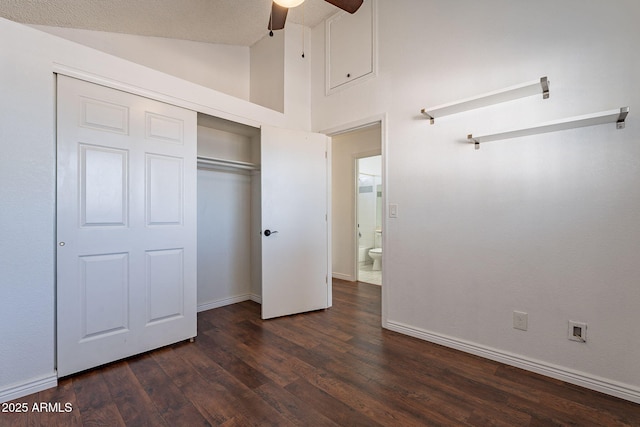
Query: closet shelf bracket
{"x": 508, "y": 94}
{"x": 617, "y": 116}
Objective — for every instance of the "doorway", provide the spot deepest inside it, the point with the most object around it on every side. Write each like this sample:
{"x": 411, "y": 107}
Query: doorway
{"x": 349, "y": 250}
{"x": 368, "y": 201}
{"x": 259, "y": 231}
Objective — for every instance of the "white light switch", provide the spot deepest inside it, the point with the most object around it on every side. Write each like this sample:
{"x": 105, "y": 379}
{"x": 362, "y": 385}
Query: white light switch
{"x": 393, "y": 210}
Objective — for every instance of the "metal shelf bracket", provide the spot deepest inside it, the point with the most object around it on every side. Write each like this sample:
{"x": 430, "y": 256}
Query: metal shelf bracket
{"x": 622, "y": 117}
{"x": 432, "y": 119}
{"x": 544, "y": 83}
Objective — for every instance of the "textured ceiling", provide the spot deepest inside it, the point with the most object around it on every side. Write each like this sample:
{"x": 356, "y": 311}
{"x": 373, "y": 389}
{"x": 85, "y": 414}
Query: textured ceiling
{"x": 236, "y": 22}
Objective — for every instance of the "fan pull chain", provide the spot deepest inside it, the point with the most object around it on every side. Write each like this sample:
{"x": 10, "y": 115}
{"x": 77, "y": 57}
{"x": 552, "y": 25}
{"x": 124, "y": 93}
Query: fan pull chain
{"x": 303, "y": 30}
{"x": 271, "y": 22}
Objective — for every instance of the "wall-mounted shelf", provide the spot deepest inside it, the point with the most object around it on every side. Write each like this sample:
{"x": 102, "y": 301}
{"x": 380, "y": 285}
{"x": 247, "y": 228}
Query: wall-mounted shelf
{"x": 617, "y": 116}
{"x": 508, "y": 94}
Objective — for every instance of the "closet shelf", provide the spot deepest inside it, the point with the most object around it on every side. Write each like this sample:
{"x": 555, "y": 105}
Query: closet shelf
{"x": 234, "y": 164}
{"x": 508, "y": 94}
{"x": 617, "y": 116}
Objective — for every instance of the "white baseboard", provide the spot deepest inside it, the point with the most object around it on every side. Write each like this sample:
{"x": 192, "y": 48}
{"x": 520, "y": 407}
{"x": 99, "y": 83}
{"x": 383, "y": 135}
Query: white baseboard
{"x": 224, "y": 301}
{"x": 256, "y": 298}
{"x": 342, "y": 276}
{"x": 29, "y": 387}
{"x": 592, "y": 382}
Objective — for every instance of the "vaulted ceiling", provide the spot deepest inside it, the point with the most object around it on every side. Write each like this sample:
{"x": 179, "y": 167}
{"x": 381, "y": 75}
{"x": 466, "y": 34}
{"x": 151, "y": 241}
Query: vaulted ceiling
{"x": 236, "y": 22}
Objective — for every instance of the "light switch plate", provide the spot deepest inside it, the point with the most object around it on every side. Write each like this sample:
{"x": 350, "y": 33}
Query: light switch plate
{"x": 393, "y": 210}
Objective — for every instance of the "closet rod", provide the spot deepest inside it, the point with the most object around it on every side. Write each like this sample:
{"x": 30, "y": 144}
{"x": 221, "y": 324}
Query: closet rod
{"x": 212, "y": 161}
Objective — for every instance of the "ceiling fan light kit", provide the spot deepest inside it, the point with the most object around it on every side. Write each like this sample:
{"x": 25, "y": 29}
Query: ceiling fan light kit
{"x": 289, "y": 3}
{"x": 279, "y": 9}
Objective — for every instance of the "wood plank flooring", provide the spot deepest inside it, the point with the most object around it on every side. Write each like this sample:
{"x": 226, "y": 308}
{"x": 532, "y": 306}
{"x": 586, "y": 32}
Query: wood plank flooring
{"x": 329, "y": 368}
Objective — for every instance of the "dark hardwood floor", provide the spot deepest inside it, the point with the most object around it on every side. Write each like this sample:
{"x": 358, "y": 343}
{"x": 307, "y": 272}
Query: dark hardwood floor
{"x": 327, "y": 368}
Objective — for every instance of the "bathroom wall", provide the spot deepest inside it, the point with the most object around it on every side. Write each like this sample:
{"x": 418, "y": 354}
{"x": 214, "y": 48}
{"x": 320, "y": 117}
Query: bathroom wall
{"x": 369, "y": 186}
{"x": 366, "y": 211}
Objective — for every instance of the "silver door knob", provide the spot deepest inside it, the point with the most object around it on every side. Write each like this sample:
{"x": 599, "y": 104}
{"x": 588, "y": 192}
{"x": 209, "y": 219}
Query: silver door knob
{"x": 61, "y": 243}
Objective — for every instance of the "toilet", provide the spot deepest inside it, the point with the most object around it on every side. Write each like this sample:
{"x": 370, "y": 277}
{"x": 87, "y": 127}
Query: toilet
{"x": 376, "y": 253}
{"x": 376, "y": 256}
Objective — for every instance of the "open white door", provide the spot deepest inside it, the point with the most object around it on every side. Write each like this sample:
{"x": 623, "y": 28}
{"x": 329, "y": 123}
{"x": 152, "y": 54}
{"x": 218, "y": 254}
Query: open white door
{"x": 295, "y": 229}
{"x": 126, "y": 225}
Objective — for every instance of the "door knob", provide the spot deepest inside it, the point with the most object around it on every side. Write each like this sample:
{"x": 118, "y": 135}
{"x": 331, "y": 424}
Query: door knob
{"x": 269, "y": 232}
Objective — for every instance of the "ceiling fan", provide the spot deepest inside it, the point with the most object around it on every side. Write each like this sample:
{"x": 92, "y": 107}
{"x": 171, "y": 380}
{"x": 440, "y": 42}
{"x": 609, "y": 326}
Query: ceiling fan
{"x": 279, "y": 9}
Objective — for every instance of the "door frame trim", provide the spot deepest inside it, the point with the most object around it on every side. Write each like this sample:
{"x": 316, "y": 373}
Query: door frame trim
{"x": 381, "y": 118}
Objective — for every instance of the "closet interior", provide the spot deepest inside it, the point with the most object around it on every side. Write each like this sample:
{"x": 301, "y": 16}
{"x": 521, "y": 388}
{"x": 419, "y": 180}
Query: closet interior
{"x": 229, "y": 245}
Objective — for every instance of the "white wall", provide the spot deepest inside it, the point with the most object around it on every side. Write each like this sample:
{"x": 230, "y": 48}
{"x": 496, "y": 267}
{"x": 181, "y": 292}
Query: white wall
{"x": 256, "y": 243}
{"x": 225, "y": 207}
{"x": 27, "y": 171}
{"x": 344, "y": 150}
{"x": 271, "y": 73}
{"x": 366, "y": 212}
{"x": 217, "y": 66}
{"x": 267, "y": 72}
{"x": 225, "y": 145}
{"x": 369, "y": 182}
{"x": 27, "y": 197}
{"x": 369, "y": 219}
{"x": 545, "y": 224}
{"x": 224, "y": 238}
{"x": 280, "y": 76}
{"x": 297, "y": 76}
{"x": 371, "y": 165}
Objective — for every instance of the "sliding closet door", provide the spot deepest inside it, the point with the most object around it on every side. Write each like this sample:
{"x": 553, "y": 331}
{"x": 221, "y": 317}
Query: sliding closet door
{"x": 295, "y": 228}
{"x": 126, "y": 225}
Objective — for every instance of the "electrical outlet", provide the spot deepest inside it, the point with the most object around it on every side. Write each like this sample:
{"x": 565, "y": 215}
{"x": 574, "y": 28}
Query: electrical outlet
{"x": 577, "y": 331}
{"x": 520, "y": 320}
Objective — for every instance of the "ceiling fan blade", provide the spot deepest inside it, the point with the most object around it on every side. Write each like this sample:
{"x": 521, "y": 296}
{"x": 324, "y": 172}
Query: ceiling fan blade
{"x": 278, "y": 17}
{"x": 350, "y": 6}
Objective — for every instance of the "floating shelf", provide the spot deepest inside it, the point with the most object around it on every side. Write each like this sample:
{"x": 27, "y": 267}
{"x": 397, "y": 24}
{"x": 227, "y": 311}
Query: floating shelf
{"x": 233, "y": 164}
{"x": 611, "y": 116}
{"x": 508, "y": 94}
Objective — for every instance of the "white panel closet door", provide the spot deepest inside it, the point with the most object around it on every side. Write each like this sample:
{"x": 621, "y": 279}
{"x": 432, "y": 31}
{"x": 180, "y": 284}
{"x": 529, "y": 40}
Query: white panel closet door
{"x": 126, "y": 225}
{"x": 295, "y": 228}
